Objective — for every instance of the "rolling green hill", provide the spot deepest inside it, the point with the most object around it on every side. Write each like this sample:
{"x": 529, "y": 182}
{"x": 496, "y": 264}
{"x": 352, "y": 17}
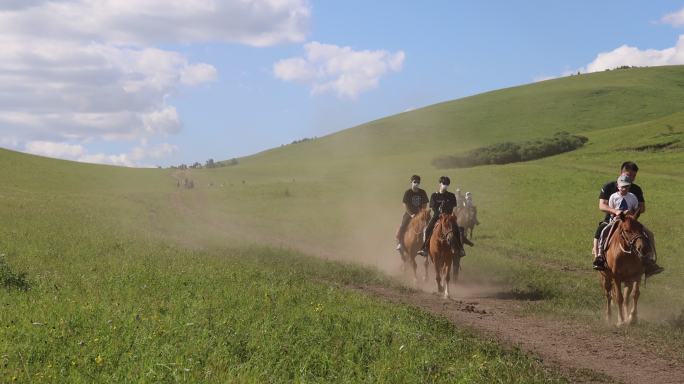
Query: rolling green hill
{"x": 108, "y": 251}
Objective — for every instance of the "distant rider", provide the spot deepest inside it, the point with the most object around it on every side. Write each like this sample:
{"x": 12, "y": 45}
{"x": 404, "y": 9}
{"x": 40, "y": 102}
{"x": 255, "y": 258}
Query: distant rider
{"x": 442, "y": 201}
{"x": 415, "y": 200}
{"x": 471, "y": 207}
{"x": 460, "y": 200}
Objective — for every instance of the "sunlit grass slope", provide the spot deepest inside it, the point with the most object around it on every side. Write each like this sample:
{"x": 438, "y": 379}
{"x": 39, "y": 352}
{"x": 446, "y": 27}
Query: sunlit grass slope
{"x": 343, "y": 192}
{"x": 130, "y": 280}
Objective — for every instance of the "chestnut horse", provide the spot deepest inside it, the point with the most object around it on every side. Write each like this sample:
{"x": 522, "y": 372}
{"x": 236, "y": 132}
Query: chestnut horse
{"x": 623, "y": 256}
{"x": 466, "y": 220}
{"x": 444, "y": 248}
{"x": 413, "y": 241}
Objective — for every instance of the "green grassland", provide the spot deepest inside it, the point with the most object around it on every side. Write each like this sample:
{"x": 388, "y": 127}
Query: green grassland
{"x": 344, "y": 190}
{"x": 135, "y": 279}
{"x": 127, "y": 286}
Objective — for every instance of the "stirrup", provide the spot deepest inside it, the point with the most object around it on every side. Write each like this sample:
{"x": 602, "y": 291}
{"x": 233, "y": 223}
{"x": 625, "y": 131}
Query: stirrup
{"x": 599, "y": 263}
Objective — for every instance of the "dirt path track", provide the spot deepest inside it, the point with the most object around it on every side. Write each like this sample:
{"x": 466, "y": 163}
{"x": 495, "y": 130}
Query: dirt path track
{"x": 573, "y": 349}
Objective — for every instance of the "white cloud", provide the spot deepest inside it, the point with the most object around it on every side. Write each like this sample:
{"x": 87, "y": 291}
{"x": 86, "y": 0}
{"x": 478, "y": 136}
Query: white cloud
{"x": 675, "y": 18}
{"x": 633, "y": 56}
{"x": 198, "y": 74}
{"x": 77, "y": 152}
{"x": 145, "y": 22}
{"x": 162, "y": 121}
{"x": 341, "y": 70}
{"x": 80, "y": 70}
{"x": 64, "y": 90}
{"x": 629, "y": 56}
{"x": 52, "y": 149}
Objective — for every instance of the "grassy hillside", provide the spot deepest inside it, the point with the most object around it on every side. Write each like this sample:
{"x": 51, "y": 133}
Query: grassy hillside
{"x": 340, "y": 194}
{"x": 129, "y": 280}
{"x": 129, "y": 271}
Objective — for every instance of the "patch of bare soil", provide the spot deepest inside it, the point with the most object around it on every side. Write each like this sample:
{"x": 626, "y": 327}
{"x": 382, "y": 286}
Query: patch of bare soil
{"x": 576, "y": 351}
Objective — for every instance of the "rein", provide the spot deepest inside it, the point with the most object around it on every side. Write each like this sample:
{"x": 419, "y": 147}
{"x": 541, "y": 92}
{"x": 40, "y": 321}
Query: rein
{"x": 630, "y": 242}
{"x": 443, "y": 235}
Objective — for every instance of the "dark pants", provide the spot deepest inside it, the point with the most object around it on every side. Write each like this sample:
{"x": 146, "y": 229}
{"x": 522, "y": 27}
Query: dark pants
{"x": 601, "y": 225}
{"x": 405, "y": 220}
{"x": 428, "y": 230}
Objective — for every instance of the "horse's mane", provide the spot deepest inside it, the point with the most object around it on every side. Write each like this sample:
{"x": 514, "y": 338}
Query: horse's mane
{"x": 419, "y": 220}
{"x": 449, "y": 217}
{"x": 630, "y": 223}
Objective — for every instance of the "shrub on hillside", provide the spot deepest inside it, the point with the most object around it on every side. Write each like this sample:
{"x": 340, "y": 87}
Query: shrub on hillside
{"x": 507, "y": 152}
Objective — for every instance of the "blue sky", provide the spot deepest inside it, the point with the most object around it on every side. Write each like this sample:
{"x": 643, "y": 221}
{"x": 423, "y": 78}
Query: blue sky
{"x": 222, "y": 80}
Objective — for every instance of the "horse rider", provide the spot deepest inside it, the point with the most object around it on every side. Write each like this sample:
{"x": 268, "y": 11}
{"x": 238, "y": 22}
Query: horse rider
{"x": 415, "y": 200}
{"x": 629, "y": 171}
{"x": 460, "y": 200}
{"x": 441, "y": 201}
{"x": 471, "y": 207}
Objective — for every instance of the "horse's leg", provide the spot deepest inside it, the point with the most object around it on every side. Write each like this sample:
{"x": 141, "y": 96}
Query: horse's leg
{"x": 617, "y": 289}
{"x": 607, "y": 288}
{"x": 403, "y": 261}
{"x": 438, "y": 276}
{"x": 633, "y": 317}
{"x": 627, "y": 293}
{"x": 447, "y": 272}
{"x": 427, "y": 262}
{"x": 456, "y": 267}
{"x": 414, "y": 265}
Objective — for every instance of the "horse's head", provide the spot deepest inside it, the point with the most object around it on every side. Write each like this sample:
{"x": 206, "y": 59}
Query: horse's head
{"x": 449, "y": 230}
{"x": 632, "y": 234}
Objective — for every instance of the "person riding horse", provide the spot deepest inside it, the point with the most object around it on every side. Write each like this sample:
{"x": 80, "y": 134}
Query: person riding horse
{"x": 615, "y": 198}
{"x": 415, "y": 199}
{"x": 442, "y": 201}
{"x": 471, "y": 207}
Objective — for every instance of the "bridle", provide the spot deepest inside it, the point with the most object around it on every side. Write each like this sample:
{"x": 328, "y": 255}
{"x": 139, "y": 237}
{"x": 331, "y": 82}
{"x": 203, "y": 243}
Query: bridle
{"x": 444, "y": 235}
{"x": 630, "y": 242}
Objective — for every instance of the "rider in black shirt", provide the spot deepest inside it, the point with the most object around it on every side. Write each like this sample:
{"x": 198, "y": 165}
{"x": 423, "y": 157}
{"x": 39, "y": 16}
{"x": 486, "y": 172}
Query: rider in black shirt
{"x": 442, "y": 201}
{"x": 630, "y": 169}
{"x": 414, "y": 200}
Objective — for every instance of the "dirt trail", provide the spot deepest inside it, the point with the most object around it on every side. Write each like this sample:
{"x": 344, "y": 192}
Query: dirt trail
{"x": 577, "y": 352}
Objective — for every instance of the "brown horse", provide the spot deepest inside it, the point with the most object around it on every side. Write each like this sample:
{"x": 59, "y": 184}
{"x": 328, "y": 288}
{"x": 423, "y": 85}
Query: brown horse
{"x": 623, "y": 256}
{"x": 444, "y": 248}
{"x": 466, "y": 220}
{"x": 413, "y": 241}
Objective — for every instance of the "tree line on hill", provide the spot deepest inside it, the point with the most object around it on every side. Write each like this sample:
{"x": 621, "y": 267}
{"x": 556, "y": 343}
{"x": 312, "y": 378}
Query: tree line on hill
{"x": 208, "y": 164}
{"x": 508, "y": 152}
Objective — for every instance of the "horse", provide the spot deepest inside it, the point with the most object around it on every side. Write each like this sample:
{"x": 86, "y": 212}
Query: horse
{"x": 625, "y": 249}
{"x": 466, "y": 220}
{"x": 444, "y": 250}
{"x": 413, "y": 241}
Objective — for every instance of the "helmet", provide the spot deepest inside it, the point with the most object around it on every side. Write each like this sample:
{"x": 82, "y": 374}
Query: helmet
{"x": 444, "y": 180}
{"x": 415, "y": 178}
{"x": 468, "y": 194}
